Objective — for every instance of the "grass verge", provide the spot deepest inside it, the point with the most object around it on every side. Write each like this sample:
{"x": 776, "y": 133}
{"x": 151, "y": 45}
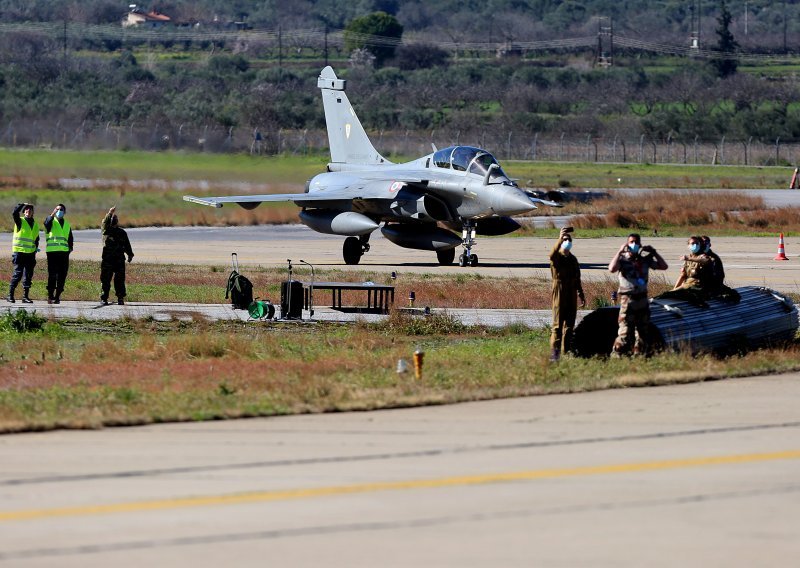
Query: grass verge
{"x": 90, "y": 375}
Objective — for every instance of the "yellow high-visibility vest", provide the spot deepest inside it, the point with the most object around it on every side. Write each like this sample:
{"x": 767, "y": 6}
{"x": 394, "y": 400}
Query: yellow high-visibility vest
{"x": 25, "y": 237}
{"x": 58, "y": 237}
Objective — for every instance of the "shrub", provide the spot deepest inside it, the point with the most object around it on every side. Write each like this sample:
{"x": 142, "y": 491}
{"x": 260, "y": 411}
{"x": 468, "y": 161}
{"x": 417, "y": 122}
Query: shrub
{"x": 21, "y": 321}
{"x": 403, "y": 323}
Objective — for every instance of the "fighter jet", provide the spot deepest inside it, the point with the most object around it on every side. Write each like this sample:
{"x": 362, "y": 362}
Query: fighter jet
{"x": 423, "y": 204}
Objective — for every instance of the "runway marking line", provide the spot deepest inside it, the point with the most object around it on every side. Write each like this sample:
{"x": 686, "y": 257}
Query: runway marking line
{"x": 290, "y": 494}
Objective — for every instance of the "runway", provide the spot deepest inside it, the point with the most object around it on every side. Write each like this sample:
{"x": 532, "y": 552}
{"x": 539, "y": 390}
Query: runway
{"x": 703, "y": 474}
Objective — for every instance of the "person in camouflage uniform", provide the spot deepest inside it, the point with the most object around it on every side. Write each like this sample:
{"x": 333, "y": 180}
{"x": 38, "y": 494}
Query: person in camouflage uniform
{"x": 697, "y": 269}
{"x": 633, "y": 262}
{"x": 567, "y": 288}
{"x": 717, "y": 269}
{"x": 116, "y": 246}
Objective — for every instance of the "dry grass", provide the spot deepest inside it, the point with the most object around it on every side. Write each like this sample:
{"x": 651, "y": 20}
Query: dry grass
{"x": 658, "y": 209}
{"x": 146, "y": 204}
{"x": 141, "y": 372}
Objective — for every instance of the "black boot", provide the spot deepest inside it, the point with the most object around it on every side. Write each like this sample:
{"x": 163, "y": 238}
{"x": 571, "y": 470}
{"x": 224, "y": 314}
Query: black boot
{"x": 25, "y": 298}
{"x": 57, "y": 298}
{"x": 10, "y": 297}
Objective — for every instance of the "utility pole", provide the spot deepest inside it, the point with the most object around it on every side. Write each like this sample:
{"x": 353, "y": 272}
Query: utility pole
{"x": 326, "y": 45}
{"x": 784, "y": 26}
{"x": 745, "y": 18}
{"x": 605, "y": 42}
{"x": 699, "y": 20}
{"x": 280, "y": 51}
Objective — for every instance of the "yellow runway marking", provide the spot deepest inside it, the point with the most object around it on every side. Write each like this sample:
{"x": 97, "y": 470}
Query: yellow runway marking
{"x": 290, "y": 494}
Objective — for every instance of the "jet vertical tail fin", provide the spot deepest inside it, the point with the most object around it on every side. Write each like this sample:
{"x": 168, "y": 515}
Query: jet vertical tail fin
{"x": 348, "y": 141}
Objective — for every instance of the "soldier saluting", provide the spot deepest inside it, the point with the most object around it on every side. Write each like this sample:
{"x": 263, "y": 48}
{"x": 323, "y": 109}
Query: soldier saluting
{"x": 23, "y": 250}
{"x": 59, "y": 245}
{"x": 116, "y": 247}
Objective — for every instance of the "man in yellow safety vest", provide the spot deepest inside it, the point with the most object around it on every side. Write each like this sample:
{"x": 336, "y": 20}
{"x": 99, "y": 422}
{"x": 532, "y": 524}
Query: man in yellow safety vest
{"x": 24, "y": 247}
{"x": 59, "y": 245}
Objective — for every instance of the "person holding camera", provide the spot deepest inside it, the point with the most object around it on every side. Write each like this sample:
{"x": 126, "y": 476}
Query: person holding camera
{"x": 567, "y": 289}
{"x": 633, "y": 262}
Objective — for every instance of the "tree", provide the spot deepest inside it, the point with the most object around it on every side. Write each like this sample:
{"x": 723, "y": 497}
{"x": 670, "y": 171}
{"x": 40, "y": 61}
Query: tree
{"x": 420, "y": 56}
{"x": 379, "y": 33}
{"x": 725, "y": 64}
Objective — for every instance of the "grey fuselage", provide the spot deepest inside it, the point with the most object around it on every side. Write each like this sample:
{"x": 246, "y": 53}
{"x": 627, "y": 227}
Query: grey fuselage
{"x": 419, "y": 191}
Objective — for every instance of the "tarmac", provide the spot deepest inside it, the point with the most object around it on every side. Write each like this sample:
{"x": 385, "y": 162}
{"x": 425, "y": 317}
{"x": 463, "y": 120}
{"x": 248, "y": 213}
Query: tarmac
{"x": 704, "y": 474}
{"x": 93, "y": 311}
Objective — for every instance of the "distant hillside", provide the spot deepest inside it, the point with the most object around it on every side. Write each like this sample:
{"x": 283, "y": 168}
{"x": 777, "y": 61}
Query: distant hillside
{"x": 757, "y": 24}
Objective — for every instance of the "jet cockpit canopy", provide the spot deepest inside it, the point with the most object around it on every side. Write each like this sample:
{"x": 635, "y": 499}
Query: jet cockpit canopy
{"x": 471, "y": 160}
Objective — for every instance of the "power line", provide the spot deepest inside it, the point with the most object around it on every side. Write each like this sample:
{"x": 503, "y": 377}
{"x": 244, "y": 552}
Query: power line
{"x": 323, "y": 37}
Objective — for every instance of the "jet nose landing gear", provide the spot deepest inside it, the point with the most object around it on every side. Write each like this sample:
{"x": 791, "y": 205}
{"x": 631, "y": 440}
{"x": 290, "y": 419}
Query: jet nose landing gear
{"x": 468, "y": 241}
{"x": 467, "y": 259}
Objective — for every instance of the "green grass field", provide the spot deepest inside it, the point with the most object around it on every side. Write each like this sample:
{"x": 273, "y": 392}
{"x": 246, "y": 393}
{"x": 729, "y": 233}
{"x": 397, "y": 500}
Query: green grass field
{"x": 49, "y": 165}
{"x": 171, "y": 166}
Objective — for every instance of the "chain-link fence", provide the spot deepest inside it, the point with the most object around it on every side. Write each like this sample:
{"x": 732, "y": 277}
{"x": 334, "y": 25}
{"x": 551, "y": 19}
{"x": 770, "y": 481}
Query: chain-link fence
{"x": 504, "y": 146}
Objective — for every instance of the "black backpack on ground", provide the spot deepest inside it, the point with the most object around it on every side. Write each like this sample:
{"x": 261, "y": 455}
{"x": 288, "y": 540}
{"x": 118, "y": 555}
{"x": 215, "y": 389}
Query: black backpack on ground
{"x": 239, "y": 288}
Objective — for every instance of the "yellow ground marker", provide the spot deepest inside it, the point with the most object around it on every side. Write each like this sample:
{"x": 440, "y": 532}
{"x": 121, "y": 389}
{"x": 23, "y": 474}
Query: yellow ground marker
{"x": 290, "y": 494}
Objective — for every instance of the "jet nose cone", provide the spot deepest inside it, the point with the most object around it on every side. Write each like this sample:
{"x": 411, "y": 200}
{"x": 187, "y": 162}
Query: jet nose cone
{"x": 511, "y": 201}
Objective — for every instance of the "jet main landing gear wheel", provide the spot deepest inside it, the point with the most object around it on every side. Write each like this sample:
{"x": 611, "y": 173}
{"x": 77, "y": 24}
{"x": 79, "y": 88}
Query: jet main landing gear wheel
{"x": 351, "y": 250}
{"x": 446, "y": 257}
{"x": 354, "y": 248}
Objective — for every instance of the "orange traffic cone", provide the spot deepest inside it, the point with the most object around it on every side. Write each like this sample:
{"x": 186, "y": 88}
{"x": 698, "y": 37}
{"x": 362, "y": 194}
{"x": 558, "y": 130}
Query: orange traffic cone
{"x": 781, "y": 250}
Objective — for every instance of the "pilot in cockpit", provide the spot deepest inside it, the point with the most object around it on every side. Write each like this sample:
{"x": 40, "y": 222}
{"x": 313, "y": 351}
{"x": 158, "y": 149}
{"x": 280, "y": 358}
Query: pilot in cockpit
{"x": 471, "y": 160}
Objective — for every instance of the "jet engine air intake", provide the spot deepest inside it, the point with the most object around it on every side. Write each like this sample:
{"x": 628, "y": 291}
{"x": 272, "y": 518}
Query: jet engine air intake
{"x": 425, "y": 208}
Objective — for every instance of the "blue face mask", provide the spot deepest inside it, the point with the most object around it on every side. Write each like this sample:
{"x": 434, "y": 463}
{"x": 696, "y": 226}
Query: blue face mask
{"x": 59, "y": 214}
{"x": 694, "y": 247}
{"x": 566, "y": 245}
{"x": 635, "y": 248}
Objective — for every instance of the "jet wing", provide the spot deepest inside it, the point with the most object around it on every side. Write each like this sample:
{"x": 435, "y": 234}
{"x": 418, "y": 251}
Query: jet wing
{"x": 342, "y": 187}
{"x": 251, "y": 201}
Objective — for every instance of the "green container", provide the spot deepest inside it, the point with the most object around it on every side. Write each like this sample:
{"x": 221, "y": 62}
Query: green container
{"x": 258, "y": 310}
